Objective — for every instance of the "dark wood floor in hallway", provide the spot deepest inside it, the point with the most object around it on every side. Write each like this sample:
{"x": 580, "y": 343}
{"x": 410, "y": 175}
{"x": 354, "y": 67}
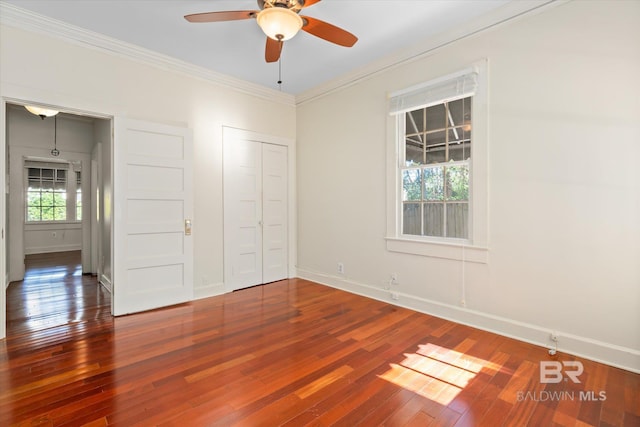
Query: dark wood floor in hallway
{"x": 290, "y": 353}
{"x": 54, "y": 292}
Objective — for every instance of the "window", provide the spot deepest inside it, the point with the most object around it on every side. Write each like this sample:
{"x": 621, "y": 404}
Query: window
{"x": 78, "y": 196}
{"x": 46, "y": 194}
{"x": 437, "y": 168}
{"x": 435, "y": 174}
{"x": 52, "y": 192}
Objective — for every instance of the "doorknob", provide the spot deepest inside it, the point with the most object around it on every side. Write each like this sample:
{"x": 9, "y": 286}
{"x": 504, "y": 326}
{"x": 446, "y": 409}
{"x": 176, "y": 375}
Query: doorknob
{"x": 187, "y": 227}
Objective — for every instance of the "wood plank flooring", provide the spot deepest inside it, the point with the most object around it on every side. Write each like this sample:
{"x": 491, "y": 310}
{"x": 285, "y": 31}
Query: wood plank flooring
{"x": 290, "y": 353}
{"x": 54, "y": 292}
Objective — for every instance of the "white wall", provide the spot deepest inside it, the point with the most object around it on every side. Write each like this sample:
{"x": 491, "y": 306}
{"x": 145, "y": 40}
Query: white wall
{"x": 41, "y": 238}
{"x": 564, "y": 185}
{"x": 102, "y": 135}
{"x": 55, "y": 72}
{"x": 27, "y": 130}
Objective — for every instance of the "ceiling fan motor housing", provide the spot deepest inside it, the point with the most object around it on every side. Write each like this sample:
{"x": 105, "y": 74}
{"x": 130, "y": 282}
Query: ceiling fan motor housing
{"x": 293, "y": 5}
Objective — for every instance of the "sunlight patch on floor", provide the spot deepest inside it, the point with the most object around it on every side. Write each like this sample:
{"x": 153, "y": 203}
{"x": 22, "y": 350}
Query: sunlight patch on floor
{"x": 435, "y": 372}
{"x": 456, "y": 358}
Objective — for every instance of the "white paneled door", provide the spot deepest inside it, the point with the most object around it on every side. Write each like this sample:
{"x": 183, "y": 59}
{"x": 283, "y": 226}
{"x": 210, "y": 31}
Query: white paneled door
{"x": 255, "y": 212}
{"x": 274, "y": 213}
{"x": 153, "y": 210}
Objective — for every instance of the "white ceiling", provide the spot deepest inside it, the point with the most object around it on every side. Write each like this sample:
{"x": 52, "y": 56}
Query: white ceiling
{"x": 236, "y": 48}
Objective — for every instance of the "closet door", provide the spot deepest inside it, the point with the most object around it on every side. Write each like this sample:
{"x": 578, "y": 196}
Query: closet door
{"x": 274, "y": 213}
{"x": 255, "y": 212}
{"x": 242, "y": 213}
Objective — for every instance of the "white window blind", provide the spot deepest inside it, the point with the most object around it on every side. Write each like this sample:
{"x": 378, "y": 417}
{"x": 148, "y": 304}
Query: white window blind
{"x": 448, "y": 88}
{"x": 45, "y": 165}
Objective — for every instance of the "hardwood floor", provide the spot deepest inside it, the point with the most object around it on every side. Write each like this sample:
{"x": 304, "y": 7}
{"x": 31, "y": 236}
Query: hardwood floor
{"x": 54, "y": 292}
{"x": 291, "y": 353}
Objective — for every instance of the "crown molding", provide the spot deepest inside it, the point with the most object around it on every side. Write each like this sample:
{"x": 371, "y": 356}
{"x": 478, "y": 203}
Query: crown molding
{"x": 502, "y": 15}
{"x": 13, "y": 16}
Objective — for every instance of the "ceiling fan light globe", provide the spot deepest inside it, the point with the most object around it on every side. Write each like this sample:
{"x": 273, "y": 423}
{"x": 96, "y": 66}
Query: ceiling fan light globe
{"x": 279, "y": 23}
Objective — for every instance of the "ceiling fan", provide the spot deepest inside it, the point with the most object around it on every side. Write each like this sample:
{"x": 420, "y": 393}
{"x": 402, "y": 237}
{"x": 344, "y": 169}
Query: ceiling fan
{"x": 280, "y": 20}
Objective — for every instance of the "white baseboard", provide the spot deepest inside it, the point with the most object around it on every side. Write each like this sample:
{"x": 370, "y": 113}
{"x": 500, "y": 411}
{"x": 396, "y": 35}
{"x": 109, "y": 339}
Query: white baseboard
{"x": 210, "y": 290}
{"x": 51, "y": 249}
{"x": 106, "y": 282}
{"x": 598, "y": 351}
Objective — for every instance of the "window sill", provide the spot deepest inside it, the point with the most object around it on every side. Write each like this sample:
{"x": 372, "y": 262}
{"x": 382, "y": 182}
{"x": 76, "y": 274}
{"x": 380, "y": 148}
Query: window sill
{"x": 52, "y": 225}
{"x": 446, "y": 250}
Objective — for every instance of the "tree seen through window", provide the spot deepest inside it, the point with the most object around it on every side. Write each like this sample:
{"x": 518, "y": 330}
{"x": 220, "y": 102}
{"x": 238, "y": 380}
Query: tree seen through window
{"x": 435, "y": 177}
{"x": 46, "y": 194}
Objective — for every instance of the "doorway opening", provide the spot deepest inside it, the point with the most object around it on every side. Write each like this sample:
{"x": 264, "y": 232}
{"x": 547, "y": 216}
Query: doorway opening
{"x": 57, "y": 218}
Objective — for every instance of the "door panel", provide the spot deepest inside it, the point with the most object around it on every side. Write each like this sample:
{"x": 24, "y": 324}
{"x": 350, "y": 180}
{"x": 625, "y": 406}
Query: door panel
{"x": 274, "y": 172}
{"x": 255, "y": 212}
{"x": 153, "y": 196}
{"x": 242, "y": 213}
{"x": 3, "y": 225}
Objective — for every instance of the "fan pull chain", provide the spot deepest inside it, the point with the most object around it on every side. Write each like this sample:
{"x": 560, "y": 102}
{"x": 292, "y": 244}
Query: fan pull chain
{"x": 280, "y": 73}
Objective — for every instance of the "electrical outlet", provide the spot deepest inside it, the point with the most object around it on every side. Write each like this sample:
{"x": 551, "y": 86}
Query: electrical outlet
{"x": 340, "y": 268}
{"x": 554, "y": 336}
{"x": 394, "y": 279}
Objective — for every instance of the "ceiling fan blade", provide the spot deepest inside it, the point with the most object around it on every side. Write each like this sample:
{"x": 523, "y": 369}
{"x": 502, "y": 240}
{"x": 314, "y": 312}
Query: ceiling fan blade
{"x": 328, "y": 32}
{"x": 308, "y": 3}
{"x": 273, "y": 50}
{"x": 231, "y": 15}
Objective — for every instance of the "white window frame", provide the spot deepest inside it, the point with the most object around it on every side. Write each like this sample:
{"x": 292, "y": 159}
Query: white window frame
{"x": 71, "y": 189}
{"x": 475, "y": 248}
{"x": 78, "y": 189}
